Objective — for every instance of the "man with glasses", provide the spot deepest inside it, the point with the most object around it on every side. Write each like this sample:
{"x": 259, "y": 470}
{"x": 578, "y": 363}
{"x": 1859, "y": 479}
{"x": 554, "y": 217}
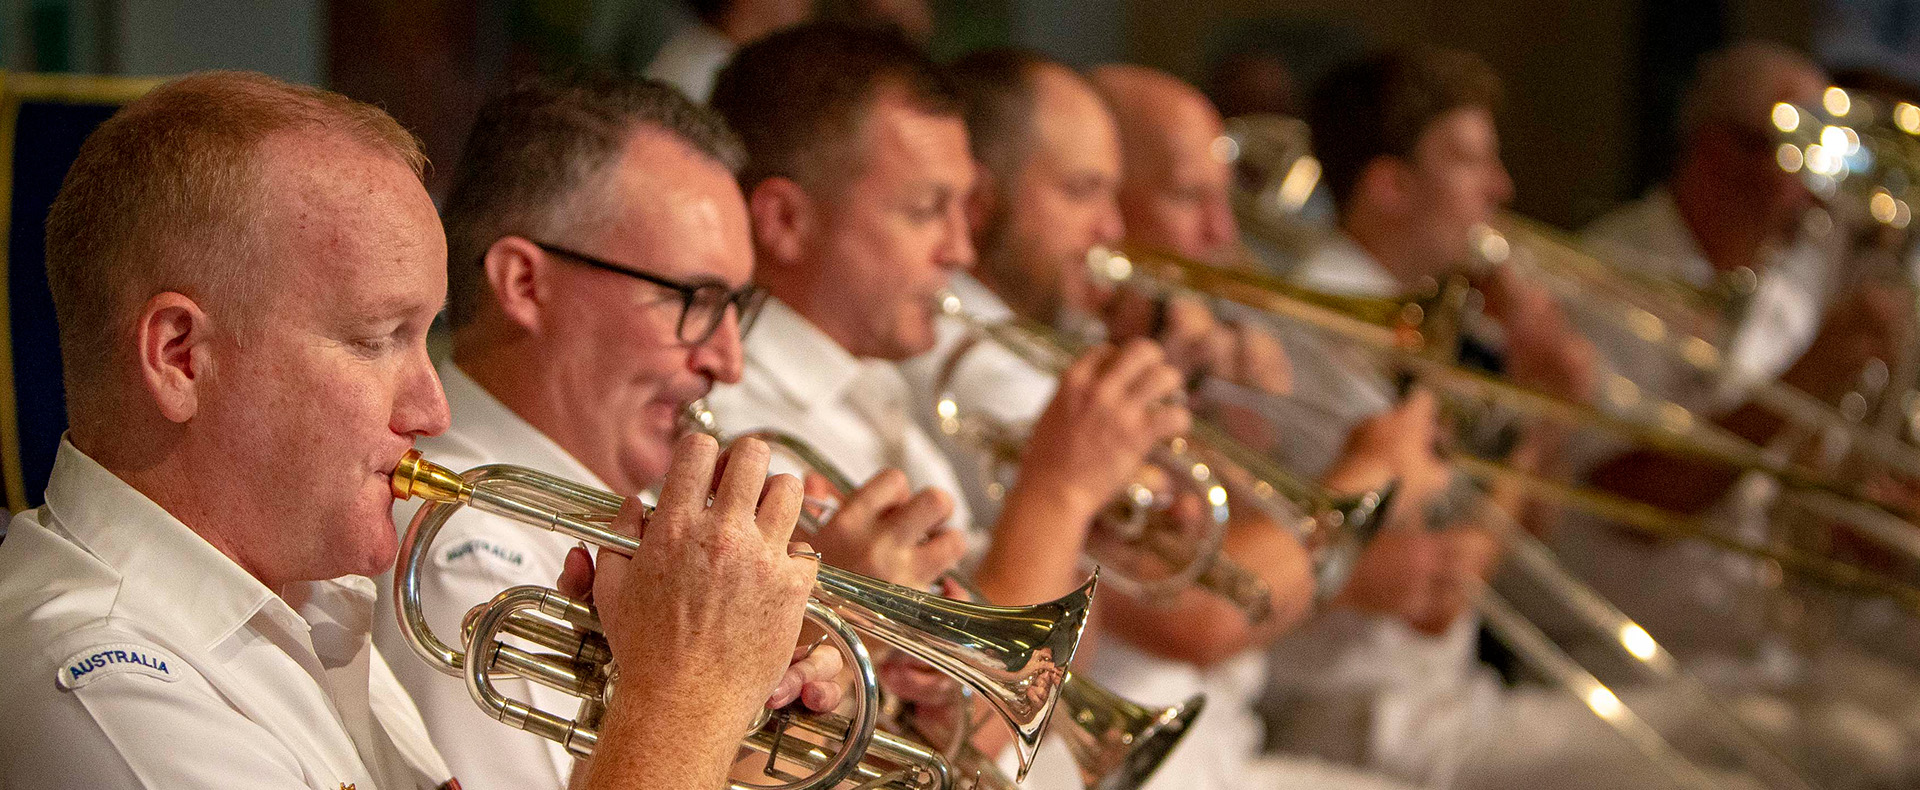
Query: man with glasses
{"x": 598, "y": 282}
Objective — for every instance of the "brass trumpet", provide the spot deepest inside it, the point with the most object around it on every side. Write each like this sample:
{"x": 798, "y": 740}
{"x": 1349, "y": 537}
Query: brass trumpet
{"x": 1335, "y": 528}
{"x": 1116, "y": 744}
{"x": 1016, "y": 657}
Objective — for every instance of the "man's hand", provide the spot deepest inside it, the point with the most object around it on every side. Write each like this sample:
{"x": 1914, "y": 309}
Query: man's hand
{"x": 1114, "y": 405}
{"x": 1870, "y": 323}
{"x": 1394, "y": 445}
{"x": 1543, "y": 349}
{"x": 702, "y": 619}
{"x": 1199, "y": 343}
{"x": 887, "y": 531}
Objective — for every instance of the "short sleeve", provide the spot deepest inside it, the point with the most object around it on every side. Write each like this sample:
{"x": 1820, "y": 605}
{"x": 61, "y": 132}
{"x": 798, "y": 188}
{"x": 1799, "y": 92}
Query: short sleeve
{"x": 134, "y": 729}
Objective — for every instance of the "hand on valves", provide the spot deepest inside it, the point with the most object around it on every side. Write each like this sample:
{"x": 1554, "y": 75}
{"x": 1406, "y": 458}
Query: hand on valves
{"x": 713, "y": 594}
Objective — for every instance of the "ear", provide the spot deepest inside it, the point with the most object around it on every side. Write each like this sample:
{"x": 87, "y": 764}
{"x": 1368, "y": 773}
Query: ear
{"x": 784, "y": 219}
{"x": 516, "y": 274}
{"x": 983, "y": 201}
{"x": 173, "y": 335}
{"x": 1387, "y": 184}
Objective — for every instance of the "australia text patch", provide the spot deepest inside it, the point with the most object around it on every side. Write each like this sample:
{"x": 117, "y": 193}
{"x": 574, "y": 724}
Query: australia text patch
{"x": 100, "y": 661}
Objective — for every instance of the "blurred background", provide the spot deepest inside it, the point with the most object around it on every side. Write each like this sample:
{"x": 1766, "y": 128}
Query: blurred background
{"x": 1591, "y": 83}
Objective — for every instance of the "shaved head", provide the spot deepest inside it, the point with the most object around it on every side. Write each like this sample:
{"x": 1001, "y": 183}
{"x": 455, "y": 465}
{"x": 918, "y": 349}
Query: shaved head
{"x": 1176, "y": 178}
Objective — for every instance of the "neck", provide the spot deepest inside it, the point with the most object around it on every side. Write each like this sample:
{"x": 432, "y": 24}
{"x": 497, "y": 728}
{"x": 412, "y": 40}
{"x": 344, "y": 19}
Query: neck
{"x": 791, "y": 285}
{"x": 152, "y": 459}
{"x": 1387, "y": 242}
{"x": 1721, "y": 224}
{"x": 513, "y": 367}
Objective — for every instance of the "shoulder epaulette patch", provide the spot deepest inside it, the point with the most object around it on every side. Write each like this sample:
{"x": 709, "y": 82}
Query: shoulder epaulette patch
{"x": 115, "y": 658}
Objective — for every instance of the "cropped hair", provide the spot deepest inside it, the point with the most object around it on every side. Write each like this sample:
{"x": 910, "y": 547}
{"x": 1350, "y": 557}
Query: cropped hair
{"x": 166, "y": 195}
{"x": 800, "y": 97}
{"x": 997, "y": 92}
{"x": 539, "y": 156}
{"x": 1383, "y": 104}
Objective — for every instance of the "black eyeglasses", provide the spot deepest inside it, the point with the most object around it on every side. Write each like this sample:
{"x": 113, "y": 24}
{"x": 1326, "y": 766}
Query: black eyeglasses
{"x": 702, "y": 307}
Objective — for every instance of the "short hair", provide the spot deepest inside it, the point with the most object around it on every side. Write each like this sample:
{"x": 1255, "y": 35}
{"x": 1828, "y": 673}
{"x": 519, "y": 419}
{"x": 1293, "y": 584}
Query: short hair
{"x": 800, "y": 97}
{"x": 164, "y": 196}
{"x": 1737, "y": 86}
{"x": 1383, "y": 104}
{"x": 537, "y": 158}
{"x": 997, "y": 93}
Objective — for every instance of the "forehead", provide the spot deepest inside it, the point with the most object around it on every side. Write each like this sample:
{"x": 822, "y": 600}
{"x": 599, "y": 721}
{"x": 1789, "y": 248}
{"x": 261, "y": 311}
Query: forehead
{"x": 1464, "y": 129}
{"x": 906, "y": 147}
{"x": 343, "y": 223}
{"x": 1190, "y": 130}
{"x": 1071, "y": 126}
{"x": 672, "y": 210}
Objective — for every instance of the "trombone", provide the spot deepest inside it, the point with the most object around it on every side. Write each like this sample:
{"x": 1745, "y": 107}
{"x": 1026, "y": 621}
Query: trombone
{"x": 1014, "y": 656}
{"x": 1116, "y": 744}
{"x": 1334, "y": 528}
{"x": 1387, "y": 327}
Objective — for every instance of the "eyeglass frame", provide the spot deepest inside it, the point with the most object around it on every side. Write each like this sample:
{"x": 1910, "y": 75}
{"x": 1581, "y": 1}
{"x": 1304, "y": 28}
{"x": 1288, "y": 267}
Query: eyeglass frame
{"x": 747, "y": 301}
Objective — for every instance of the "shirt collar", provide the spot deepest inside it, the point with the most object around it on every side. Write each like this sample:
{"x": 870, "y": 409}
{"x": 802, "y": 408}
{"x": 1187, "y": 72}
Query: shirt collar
{"x": 178, "y": 577}
{"x": 788, "y": 352}
{"x": 1673, "y": 243}
{"x": 495, "y": 432}
{"x": 1342, "y": 266}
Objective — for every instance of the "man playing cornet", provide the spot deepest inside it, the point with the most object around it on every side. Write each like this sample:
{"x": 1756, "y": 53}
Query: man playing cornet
{"x": 599, "y": 280}
{"x": 244, "y": 273}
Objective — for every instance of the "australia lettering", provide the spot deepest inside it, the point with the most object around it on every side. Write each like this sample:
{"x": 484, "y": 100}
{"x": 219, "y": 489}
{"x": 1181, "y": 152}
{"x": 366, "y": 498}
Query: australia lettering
{"x": 472, "y": 546}
{"x": 106, "y": 658}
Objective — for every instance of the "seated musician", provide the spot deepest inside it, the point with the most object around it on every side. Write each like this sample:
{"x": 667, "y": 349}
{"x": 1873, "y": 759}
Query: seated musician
{"x": 598, "y": 280}
{"x": 1411, "y": 158}
{"x": 244, "y": 273}
{"x": 1050, "y": 158}
{"x": 858, "y": 176}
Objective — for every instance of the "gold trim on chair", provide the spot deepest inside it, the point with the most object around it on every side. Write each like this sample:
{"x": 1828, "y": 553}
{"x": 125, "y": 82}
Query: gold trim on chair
{"x": 17, "y": 89}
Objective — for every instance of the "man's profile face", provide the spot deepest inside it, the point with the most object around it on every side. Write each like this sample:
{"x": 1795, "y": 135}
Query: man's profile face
{"x": 893, "y": 233}
{"x": 1182, "y": 202}
{"x": 310, "y": 408}
{"x": 1457, "y": 181}
{"x": 623, "y": 373}
{"x": 1061, "y": 201}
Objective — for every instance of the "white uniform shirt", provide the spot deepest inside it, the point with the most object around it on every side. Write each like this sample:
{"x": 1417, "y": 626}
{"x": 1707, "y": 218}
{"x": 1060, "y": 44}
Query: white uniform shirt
{"x": 1648, "y": 237}
{"x": 139, "y": 656}
{"x": 1360, "y": 686}
{"x": 475, "y": 557}
{"x": 800, "y": 381}
{"x": 1217, "y": 750}
{"x": 691, "y": 60}
{"x": 857, "y": 413}
{"x": 1692, "y": 596}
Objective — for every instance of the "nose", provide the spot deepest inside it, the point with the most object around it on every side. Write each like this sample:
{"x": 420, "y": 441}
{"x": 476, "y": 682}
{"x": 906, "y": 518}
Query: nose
{"x": 1109, "y": 227}
{"x": 722, "y": 357}
{"x": 1502, "y": 184}
{"x": 420, "y": 406}
{"x": 1217, "y": 229}
{"x": 956, "y": 243}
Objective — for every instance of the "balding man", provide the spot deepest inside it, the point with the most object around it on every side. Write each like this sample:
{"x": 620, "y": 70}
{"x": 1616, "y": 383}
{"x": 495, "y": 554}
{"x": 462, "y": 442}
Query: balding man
{"x": 244, "y": 273}
{"x": 1048, "y": 152}
{"x": 1178, "y": 187}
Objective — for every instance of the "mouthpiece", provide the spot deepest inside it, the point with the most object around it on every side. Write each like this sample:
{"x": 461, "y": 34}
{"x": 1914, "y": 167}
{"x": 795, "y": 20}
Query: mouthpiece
{"x": 418, "y": 477}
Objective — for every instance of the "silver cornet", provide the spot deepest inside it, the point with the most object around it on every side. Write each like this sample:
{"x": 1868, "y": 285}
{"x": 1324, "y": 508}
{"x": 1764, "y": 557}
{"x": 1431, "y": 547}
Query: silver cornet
{"x": 1116, "y": 744}
{"x": 1016, "y": 657}
{"x": 1335, "y": 528}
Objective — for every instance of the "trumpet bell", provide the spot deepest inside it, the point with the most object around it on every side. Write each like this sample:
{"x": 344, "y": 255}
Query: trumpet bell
{"x": 1117, "y": 744}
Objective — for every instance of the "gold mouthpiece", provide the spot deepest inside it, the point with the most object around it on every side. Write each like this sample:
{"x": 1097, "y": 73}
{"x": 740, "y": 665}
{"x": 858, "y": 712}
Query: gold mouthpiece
{"x": 417, "y": 477}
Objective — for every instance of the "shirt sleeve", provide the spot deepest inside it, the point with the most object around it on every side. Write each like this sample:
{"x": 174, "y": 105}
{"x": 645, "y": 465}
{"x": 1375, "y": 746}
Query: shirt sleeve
{"x": 134, "y": 730}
